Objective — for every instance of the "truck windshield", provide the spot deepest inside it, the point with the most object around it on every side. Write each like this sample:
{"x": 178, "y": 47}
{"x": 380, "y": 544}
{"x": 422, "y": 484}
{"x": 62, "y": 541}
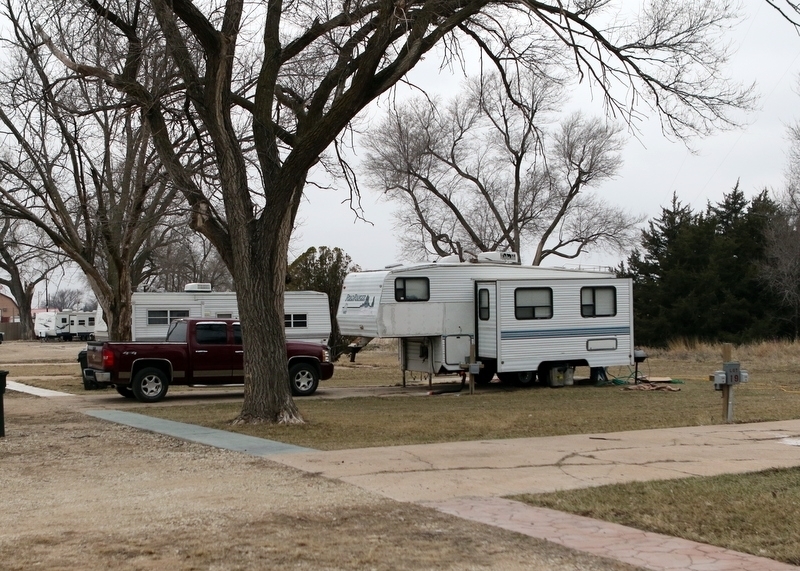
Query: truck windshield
{"x": 177, "y": 332}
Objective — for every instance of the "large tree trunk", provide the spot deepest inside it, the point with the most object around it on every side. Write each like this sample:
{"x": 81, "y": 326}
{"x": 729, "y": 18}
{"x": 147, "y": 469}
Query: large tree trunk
{"x": 114, "y": 296}
{"x": 25, "y": 303}
{"x": 261, "y": 260}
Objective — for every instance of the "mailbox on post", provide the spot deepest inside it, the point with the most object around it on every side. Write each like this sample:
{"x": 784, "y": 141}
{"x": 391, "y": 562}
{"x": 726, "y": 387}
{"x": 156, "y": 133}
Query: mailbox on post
{"x": 724, "y": 380}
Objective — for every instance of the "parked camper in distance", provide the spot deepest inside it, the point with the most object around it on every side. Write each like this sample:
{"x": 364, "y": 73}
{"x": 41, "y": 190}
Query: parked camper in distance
{"x": 65, "y": 325}
{"x": 306, "y": 313}
{"x": 524, "y": 321}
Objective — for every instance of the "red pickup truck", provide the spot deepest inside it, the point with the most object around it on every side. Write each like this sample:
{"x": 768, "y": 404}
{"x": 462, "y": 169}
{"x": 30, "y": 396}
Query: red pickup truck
{"x": 196, "y": 352}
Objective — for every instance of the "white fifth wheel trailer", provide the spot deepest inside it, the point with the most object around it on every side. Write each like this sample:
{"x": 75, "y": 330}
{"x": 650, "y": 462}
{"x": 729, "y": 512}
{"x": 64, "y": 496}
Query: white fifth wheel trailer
{"x": 65, "y": 325}
{"x": 524, "y": 321}
{"x": 306, "y": 313}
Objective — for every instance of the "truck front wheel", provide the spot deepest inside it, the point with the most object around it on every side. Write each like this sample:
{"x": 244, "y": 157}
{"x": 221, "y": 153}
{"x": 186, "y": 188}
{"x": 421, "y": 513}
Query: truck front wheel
{"x": 303, "y": 379}
{"x": 150, "y": 385}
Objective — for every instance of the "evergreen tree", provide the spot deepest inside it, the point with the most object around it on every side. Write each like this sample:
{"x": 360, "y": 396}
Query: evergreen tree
{"x": 324, "y": 270}
{"x": 697, "y": 276}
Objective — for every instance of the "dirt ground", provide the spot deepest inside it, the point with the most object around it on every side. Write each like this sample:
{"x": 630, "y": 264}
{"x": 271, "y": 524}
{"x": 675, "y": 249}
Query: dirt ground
{"x": 81, "y": 493}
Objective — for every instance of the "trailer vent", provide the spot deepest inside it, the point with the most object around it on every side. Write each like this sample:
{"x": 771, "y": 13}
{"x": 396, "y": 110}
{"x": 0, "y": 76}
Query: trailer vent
{"x": 197, "y": 287}
{"x": 503, "y": 257}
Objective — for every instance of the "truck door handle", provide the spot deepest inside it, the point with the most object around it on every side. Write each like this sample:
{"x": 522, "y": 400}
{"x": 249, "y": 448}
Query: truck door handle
{"x": 201, "y": 351}
{"x": 239, "y": 352}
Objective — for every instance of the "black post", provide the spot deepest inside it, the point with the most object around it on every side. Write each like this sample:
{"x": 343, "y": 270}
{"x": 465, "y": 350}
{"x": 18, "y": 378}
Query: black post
{"x": 2, "y": 392}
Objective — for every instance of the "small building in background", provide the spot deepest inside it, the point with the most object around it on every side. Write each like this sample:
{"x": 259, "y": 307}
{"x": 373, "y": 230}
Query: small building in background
{"x": 9, "y": 311}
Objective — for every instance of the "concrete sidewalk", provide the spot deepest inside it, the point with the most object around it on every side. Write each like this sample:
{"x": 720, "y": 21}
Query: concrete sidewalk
{"x": 467, "y": 479}
{"x": 494, "y": 468}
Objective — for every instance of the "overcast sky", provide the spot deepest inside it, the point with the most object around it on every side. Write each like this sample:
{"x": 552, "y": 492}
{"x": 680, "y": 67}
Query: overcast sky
{"x": 767, "y": 51}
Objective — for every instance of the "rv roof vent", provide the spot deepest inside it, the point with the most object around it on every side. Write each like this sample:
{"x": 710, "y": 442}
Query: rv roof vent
{"x": 197, "y": 287}
{"x": 451, "y": 259}
{"x": 504, "y": 257}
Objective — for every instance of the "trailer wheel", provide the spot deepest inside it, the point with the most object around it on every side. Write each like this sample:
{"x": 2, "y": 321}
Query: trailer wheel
{"x": 303, "y": 379}
{"x": 125, "y": 391}
{"x": 150, "y": 385}
{"x": 520, "y": 379}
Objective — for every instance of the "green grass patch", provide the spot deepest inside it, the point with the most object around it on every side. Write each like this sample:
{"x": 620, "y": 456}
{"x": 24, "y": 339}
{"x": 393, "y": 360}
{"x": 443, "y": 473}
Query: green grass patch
{"x": 754, "y": 513}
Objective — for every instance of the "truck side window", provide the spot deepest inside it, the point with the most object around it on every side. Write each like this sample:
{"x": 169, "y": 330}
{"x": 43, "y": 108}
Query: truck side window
{"x": 237, "y": 333}
{"x": 211, "y": 333}
{"x": 598, "y": 301}
{"x": 533, "y": 303}
{"x": 412, "y": 289}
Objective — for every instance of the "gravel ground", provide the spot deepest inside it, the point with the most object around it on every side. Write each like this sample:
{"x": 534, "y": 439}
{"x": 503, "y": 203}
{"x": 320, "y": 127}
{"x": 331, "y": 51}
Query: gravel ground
{"x": 81, "y": 493}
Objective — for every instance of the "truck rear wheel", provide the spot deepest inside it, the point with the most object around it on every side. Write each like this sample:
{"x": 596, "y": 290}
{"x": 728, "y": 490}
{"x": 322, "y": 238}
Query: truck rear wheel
{"x": 150, "y": 385}
{"x": 303, "y": 379}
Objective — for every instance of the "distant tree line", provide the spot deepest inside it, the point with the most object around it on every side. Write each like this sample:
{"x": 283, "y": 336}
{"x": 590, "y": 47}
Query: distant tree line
{"x": 706, "y": 276}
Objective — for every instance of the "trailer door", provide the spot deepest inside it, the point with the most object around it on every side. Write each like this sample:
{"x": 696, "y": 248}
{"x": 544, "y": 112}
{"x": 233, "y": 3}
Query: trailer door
{"x": 486, "y": 319}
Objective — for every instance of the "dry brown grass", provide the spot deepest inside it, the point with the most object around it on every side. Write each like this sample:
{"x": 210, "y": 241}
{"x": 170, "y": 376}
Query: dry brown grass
{"x": 754, "y": 513}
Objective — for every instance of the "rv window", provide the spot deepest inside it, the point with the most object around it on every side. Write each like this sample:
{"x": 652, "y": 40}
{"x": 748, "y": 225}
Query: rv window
{"x": 211, "y": 333}
{"x": 483, "y": 304}
{"x": 533, "y": 303}
{"x": 295, "y": 320}
{"x": 91, "y": 322}
{"x": 63, "y": 320}
{"x": 81, "y": 322}
{"x": 164, "y": 316}
{"x": 224, "y": 315}
{"x": 598, "y": 301}
{"x": 412, "y": 289}
{"x": 157, "y": 317}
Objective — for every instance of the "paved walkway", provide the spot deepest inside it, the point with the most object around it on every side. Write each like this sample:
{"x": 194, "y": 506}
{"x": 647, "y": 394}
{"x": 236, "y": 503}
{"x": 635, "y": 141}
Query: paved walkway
{"x": 466, "y": 479}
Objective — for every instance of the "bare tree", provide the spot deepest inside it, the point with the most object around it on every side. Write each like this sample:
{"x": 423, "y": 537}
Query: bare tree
{"x": 484, "y": 175}
{"x": 24, "y": 263}
{"x": 781, "y": 267}
{"x": 269, "y": 87}
{"x": 78, "y": 163}
{"x": 67, "y": 298}
{"x": 187, "y": 258}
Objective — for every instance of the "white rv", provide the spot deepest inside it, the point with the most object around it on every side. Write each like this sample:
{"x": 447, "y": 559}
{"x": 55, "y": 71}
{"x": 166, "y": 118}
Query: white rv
{"x": 65, "y": 325}
{"x": 306, "y": 313}
{"x": 523, "y": 320}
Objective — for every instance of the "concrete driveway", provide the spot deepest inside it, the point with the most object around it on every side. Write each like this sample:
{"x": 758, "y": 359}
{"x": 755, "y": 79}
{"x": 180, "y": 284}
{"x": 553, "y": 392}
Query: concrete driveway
{"x": 491, "y": 468}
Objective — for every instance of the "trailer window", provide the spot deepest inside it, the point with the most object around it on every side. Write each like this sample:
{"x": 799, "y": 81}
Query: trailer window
{"x": 91, "y": 322}
{"x": 412, "y": 289}
{"x": 533, "y": 303}
{"x": 483, "y": 304}
{"x": 165, "y": 316}
{"x": 598, "y": 301}
{"x": 295, "y": 320}
{"x": 211, "y": 333}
